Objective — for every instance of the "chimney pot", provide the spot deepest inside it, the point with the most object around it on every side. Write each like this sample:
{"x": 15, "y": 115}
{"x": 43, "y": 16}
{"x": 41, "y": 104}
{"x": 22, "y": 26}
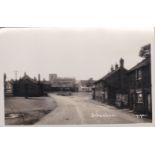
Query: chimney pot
{"x": 112, "y": 68}
{"x": 121, "y": 63}
{"x": 38, "y": 77}
{"x": 116, "y": 66}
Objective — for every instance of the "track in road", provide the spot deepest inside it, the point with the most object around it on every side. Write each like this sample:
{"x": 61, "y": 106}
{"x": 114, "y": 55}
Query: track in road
{"x": 81, "y": 109}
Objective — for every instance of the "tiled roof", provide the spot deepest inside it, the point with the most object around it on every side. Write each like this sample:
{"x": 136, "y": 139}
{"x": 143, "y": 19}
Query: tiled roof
{"x": 108, "y": 75}
{"x": 143, "y": 63}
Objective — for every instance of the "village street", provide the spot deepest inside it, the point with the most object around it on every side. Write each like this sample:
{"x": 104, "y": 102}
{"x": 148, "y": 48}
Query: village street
{"x": 81, "y": 109}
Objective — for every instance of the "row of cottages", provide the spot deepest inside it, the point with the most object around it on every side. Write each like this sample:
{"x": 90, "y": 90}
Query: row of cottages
{"x": 113, "y": 87}
{"x": 128, "y": 88}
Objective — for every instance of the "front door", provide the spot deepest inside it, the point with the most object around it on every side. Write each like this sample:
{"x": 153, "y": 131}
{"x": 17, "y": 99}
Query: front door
{"x": 132, "y": 102}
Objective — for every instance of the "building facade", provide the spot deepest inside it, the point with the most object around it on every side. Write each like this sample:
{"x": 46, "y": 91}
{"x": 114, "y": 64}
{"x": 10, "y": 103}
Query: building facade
{"x": 140, "y": 99}
{"x": 9, "y": 88}
{"x": 113, "y": 87}
{"x": 128, "y": 88}
{"x": 86, "y": 85}
{"x": 62, "y": 83}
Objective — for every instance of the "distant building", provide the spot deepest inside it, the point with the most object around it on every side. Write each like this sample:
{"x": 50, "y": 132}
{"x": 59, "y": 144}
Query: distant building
{"x": 46, "y": 85}
{"x": 62, "y": 83}
{"x": 52, "y": 77}
{"x": 113, "y": 87}
{"x": 140, "y": 83}
{"x": 27, "y": 87}
{"x": 86, "y": 85}
{"x": 9, "y": 88}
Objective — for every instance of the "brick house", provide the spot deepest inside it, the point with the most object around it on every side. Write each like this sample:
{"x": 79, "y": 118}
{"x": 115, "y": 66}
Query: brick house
{"x": 140, "y": 84}
{"x": 113, "y": 87}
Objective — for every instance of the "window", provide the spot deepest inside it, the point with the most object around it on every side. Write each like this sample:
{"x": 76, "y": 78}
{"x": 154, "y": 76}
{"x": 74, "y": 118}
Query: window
{"x": 119, "y": 97}
{"x": 139, "y": 74}
{"x": 125, "y": 99}
{"x": 139, "y": 98}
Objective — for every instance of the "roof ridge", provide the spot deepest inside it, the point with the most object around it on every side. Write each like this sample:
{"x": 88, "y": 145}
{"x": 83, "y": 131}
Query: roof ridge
{"x": 142, "y": 63}
{"x": 109, "y": 74}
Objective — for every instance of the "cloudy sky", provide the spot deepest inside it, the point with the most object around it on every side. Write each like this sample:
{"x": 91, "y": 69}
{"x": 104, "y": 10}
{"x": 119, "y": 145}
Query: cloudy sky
{"x": 70, "y": 52}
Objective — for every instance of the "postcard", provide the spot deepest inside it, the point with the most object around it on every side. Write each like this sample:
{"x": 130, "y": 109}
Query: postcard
{"x": 77, "y": 76}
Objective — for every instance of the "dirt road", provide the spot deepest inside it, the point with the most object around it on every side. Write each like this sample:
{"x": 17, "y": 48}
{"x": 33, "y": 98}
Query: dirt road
{"x": 81, "y": 109}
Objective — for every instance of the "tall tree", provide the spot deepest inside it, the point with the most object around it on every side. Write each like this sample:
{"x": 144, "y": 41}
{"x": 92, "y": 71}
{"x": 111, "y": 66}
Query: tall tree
{"x": 145, "y": 51}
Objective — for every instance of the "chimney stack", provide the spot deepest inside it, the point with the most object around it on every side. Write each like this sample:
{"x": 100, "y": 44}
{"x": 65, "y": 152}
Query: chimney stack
{"x": 5, "y": 76}
{"x": 121, "y": 63}
{"x": 112, "y": 68}
{"x": 25, "y": 74}
{"x": 116, "y": 66}
{"x": 39, "y": 77}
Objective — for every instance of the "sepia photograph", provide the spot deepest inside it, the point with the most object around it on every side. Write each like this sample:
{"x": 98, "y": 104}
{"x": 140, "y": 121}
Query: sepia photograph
{"x": 77, "y": 76}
